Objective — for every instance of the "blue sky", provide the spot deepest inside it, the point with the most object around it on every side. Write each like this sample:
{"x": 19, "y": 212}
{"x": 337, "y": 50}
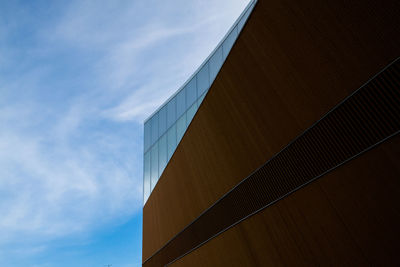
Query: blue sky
{"x": 77, "y": 79}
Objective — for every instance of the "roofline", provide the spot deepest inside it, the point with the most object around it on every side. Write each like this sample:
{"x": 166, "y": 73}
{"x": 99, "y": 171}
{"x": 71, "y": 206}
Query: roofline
{"x": 205, "y": 61}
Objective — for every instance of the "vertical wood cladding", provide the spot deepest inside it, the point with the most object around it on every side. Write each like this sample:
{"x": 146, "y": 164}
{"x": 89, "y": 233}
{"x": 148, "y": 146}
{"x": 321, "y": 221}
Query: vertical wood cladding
{"x": 349, "y": 217}
{"x": 291, "y": 64}
{"x": 363, "y": 120}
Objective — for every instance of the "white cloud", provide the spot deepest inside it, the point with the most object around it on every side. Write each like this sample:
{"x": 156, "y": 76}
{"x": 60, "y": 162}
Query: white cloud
{"x": 143, "y": 54}
{"x": 58, "y": 191}
{"x": 72, "y": 101}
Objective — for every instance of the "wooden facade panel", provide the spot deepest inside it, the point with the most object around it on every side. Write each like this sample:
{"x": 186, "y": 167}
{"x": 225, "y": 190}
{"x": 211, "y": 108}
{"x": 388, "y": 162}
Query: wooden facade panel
{"x": 349, "y": 217}
{"x": 292, "y": 63}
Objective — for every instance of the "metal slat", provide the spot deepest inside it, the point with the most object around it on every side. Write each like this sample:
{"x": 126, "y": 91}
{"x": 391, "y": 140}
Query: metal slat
{"x": 366, "y": 118}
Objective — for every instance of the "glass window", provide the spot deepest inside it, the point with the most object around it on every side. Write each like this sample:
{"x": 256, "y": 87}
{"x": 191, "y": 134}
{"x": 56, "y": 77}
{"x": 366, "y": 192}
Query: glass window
{"x": 147, "y": 135}
{"x": 162, "y": 154}
{"x": 203, "y": 80}
{"x": 146, "y": 177}
{"x": 162, "y": 121}
{"x": 215, "y": 63}
{"x": 180, "y": 103}
{"x": 190, "y": 114}
{"x": 201, "y": 98}
{"x": 191, "y": 94}
{"x": 180, "y": 128}
{"x": 171, "y": 137}
{"x": 154, "y": 128}
{"x": 171, "y": 112}
{"x": 229, "y": 41}
{"x": 154, "y": 166}
{"x": 243, "y": 19}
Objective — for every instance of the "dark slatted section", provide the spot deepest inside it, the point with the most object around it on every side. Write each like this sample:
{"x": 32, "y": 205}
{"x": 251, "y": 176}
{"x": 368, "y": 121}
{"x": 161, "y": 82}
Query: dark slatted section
{"x": 363, "y": 120}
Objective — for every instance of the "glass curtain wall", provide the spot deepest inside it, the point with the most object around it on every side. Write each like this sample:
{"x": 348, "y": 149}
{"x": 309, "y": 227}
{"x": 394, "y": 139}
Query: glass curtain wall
{"x": 164, "y": 129}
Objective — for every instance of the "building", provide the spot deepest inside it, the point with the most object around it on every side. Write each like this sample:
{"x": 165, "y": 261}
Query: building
{"x": 284, "y": 147}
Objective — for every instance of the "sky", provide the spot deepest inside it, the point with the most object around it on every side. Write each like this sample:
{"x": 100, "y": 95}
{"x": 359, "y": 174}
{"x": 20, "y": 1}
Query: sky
{"x": 77, "y": 80}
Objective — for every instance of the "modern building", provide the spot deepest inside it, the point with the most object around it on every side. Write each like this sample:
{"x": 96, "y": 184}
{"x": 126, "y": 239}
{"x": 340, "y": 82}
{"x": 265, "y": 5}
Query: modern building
{"x": 283, "y": 148}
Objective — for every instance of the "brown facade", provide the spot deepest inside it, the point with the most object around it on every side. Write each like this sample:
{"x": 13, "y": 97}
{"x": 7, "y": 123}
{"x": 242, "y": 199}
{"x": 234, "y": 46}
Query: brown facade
{"x": 349, "y": 217}
{"x": 292, "y": 63}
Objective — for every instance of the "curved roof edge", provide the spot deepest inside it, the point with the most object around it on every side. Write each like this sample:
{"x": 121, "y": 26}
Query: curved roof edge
{"x": 249, "y": 7}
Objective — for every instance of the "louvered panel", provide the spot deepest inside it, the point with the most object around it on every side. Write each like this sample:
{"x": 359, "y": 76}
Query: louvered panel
{"x": 363, "y": 120}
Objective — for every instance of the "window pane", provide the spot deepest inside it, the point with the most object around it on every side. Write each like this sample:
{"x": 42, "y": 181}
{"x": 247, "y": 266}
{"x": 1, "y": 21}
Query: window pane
{"x": 203, "y": 80}
{"x": 154, "y": 166}
{"x": 180, "y": 128}
{"x": 147, "y": 135}
{"x": 180, "y": 103}
{"x": 171, "y": 112}
{"x": 215, "y": 63}
{"x": 229, "y": 41}
{"x": 201, "y": 98}
{"x": 171, "y": 141}
{"x": 191, "y": 94}
{"x": 162, "y": 154}
{"x": 190, "y": 114}
{"x": 162, "y": 121}
{"x": 154, "y": 128}
{"x": 243, "y": 19}
{"x": 146, "y": 177}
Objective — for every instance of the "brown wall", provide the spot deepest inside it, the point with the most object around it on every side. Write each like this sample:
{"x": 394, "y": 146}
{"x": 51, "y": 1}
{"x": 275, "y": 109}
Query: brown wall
{"x": 349, "y": 217}
{"x": 293, "y": 62}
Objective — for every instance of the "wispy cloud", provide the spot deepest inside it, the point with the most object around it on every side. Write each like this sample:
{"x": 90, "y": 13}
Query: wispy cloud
{"x": 153, "y": 53}
{"x": 74, "y": 91}
{"x": 53, "y": 188}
